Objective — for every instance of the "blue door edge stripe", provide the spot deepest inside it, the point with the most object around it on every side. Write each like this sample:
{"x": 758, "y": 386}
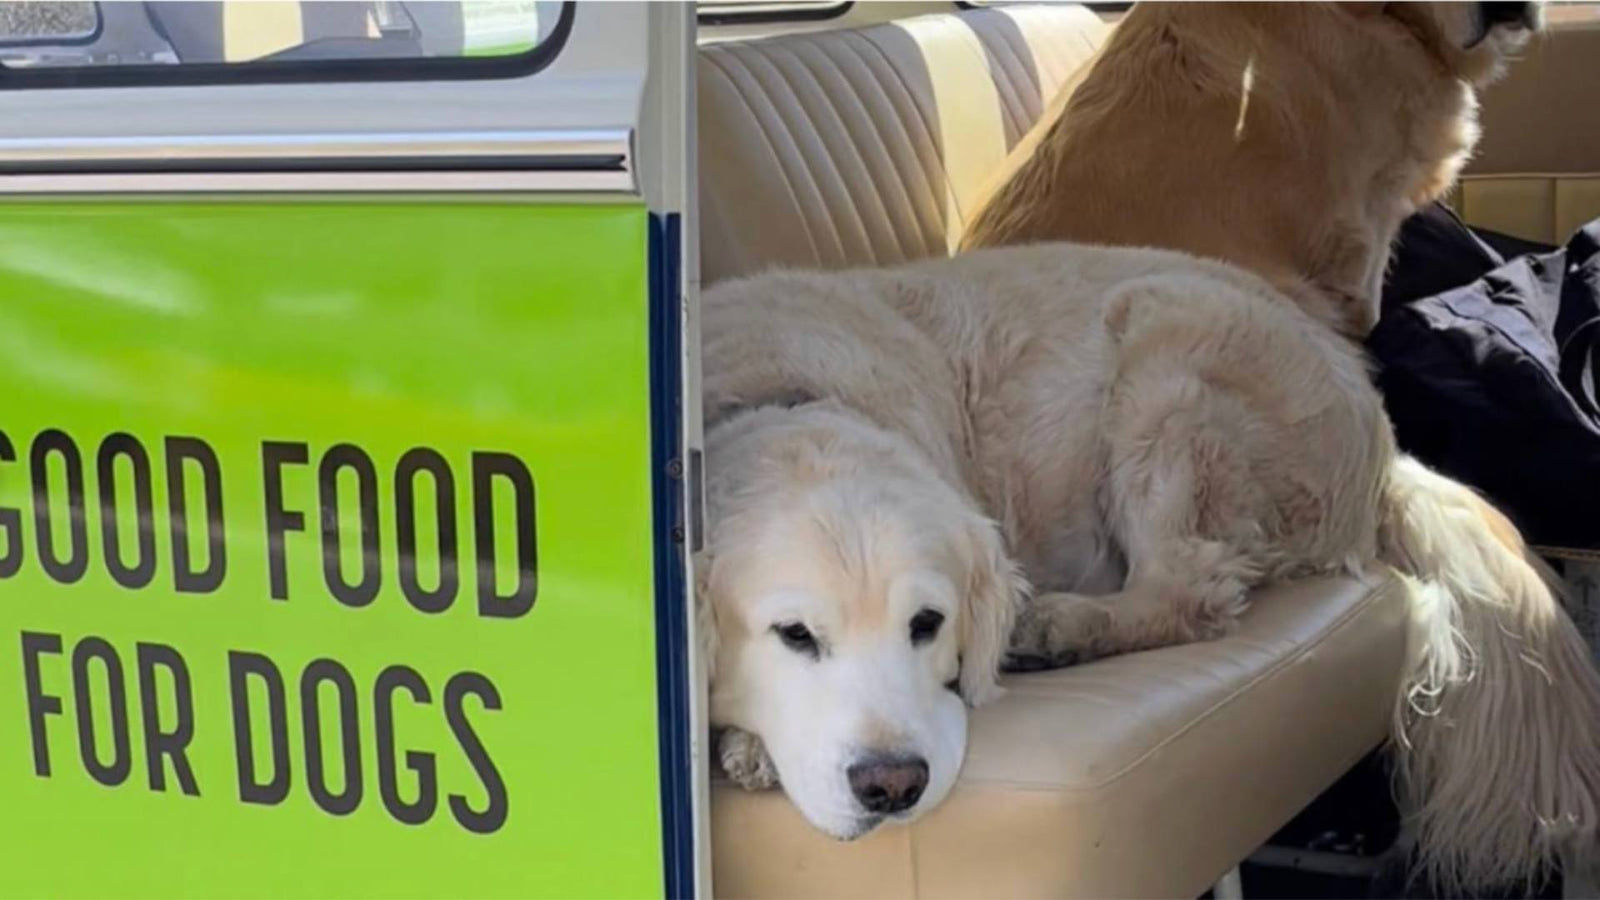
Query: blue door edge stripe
{"x": 674, "y": 680}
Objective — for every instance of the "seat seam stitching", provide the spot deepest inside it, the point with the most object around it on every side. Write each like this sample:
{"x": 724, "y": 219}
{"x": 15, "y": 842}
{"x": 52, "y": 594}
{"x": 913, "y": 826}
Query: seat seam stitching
{"x": 900, "y": 180}
{"x": 767, "y": 139}
{"x": 932, "y": 140}
{"x": 855, "y": 207}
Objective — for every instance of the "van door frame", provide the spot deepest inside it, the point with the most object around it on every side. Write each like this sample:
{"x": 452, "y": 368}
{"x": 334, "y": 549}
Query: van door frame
{"x": 589, "y": 128}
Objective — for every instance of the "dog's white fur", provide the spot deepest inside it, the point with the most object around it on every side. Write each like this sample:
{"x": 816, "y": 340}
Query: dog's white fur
{"x": 823, "y": 519}
{"x": 1146, "y": 436}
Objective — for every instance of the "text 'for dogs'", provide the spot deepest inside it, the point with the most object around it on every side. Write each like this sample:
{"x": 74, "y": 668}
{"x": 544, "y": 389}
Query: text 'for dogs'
{"x": 111, "y": 704}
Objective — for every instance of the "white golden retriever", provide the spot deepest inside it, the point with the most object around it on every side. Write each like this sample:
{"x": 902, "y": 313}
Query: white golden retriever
{"x": 1144, "y": 436}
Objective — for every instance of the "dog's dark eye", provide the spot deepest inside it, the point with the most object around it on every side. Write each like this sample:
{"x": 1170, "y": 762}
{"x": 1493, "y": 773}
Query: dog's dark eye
{"x": 925, "y": 625}
{"x": 798, "y": 638}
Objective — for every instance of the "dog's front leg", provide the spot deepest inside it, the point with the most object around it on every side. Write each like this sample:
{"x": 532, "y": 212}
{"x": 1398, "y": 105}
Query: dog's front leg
{"x": 1056, "y": 630}
{"x": 744, "y": 758}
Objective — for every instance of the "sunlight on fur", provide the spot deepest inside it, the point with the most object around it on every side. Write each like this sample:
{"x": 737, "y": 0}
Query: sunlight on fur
{"x": 1246, "y": 83}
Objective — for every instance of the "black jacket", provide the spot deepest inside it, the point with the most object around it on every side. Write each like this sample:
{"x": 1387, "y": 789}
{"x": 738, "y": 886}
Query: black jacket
{"x": 1487, "y": 350}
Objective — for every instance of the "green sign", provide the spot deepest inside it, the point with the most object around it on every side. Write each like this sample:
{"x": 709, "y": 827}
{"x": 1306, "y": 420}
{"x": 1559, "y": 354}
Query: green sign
{"x": 325, "y": 551}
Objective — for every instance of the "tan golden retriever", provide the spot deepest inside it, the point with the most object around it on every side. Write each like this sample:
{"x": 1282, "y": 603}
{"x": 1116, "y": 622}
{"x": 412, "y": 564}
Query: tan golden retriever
{"x": 1293, "y": 139}
{"x": 1289, "y": 138}
{"x": 1091, "y": 450}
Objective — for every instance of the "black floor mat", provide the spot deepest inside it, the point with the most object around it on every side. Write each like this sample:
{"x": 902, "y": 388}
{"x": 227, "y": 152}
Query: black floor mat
{"x": 1357, "y": 815}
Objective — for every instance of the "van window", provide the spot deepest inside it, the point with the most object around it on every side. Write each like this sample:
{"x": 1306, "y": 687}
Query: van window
{"x": 219, "y": 41}
{"x": 42, "y": 22}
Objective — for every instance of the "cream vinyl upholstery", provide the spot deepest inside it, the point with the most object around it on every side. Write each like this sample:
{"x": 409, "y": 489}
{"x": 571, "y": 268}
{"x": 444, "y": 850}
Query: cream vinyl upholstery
{"x": 1148, "y": 775}
{"x": 869, "y": 145}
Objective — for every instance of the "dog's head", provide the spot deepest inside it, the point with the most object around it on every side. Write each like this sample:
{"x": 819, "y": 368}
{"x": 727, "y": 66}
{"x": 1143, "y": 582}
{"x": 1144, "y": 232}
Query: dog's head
{"x": 857, "y": 604}
{"x": 1473, "y": 41}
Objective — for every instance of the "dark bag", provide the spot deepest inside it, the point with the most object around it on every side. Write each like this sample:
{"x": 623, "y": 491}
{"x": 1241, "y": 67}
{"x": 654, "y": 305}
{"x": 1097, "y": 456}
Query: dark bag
{"x": 1488, "y": 368}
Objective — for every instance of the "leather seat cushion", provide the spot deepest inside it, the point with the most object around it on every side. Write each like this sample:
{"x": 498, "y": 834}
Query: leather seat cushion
{"x": 1146, "y": 775}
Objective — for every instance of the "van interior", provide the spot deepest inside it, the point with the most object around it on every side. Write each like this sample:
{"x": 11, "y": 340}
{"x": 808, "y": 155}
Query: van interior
{"x": 856, "y": 134}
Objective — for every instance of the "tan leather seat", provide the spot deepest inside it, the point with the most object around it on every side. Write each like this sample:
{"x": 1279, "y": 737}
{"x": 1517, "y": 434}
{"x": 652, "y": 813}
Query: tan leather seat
{"x": 869, "y": 146}
{"x": 1146, "y": 775}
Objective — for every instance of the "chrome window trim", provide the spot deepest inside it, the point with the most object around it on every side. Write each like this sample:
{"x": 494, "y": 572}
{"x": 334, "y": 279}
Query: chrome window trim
{"x": 569, "y": 128}
{"x": 596, "y": 142}
{"x": 590, "y": 160}
{"x": 244, "y": 183}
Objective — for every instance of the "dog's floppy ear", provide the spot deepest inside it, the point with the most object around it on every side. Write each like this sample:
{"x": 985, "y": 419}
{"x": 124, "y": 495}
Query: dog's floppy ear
{"x": 995, "y": 588}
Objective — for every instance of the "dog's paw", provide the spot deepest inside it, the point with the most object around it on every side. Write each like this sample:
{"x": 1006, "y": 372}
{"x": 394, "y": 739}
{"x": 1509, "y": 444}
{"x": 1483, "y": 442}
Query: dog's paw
{"x": 1057, "y": 630}
{"x": 1017, "y": 661}
{"x": 744, "y": 758}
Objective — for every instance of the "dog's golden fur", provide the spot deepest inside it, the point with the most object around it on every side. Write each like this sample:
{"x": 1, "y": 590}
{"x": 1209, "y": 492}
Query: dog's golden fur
{"x": 868, "y": 431}
{"x": 1293, "y": 139}
{"x": 1154, "y": 435}
{"x": 1288, "y": 138}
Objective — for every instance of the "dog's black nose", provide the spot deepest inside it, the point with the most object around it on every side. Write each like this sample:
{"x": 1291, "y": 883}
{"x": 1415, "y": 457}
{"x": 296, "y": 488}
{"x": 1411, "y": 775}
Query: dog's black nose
{"x": 888, "y": 784}
{"x": 1525, "y": 15}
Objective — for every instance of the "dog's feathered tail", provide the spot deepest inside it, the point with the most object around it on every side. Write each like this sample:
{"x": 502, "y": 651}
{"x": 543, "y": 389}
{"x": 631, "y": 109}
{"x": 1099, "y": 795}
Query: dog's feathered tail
{"x": 1497, "y": 730}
